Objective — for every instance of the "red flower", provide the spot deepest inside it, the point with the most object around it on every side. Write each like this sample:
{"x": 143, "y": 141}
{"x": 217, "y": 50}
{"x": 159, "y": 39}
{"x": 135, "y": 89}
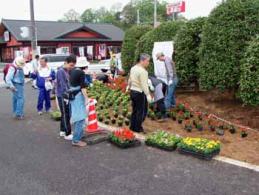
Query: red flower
{"x": 124, "y": 134}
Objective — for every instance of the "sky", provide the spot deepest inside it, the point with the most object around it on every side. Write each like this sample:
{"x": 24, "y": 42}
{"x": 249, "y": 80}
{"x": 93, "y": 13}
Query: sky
{"x": 54, "y": 9}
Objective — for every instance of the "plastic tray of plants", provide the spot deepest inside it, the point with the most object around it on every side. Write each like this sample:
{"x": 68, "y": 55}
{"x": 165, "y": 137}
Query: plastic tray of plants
{"x": 199, "y": 147}
{"x": 163, "y": 140}
{"x": 56, "y": 115}
{"x": 124, "y": 138}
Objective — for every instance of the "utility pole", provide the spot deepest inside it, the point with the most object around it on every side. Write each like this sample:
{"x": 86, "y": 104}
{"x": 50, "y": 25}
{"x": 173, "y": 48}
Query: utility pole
{"x": 155, "y": 13}
{"x": 138, "y": 18}
{"x": 33, "y": 30}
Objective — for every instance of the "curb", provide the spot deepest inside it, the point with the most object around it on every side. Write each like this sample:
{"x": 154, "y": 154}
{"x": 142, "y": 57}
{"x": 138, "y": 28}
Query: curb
{"x": 218, "y": 158}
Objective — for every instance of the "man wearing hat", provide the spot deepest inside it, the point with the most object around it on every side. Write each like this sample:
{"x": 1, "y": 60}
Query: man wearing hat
{"x": 15, "y": 82}
{"x": 169, "y": 77}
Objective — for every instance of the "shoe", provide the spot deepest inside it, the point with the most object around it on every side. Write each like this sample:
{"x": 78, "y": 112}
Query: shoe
{"x": 40, "y": 113}
{"x": 48, "y": 111}
{"x": 19, "y": 117}
{"x": 69, "y": 137}
{"x": 79, "y": 144}
{"x": 62, "y": 134}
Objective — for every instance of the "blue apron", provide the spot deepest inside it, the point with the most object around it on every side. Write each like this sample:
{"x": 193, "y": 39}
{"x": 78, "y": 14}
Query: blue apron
{"x": 78, "y": 108}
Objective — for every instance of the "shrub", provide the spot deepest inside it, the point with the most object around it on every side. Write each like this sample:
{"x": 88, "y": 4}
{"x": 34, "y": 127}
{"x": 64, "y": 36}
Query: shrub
{"x": 165, "y": 32}
{"x": 249, "y": 81}
{"x": 129, "y": 45}
{"x": 187, "y": 44}
{"x": 226, "y": 32}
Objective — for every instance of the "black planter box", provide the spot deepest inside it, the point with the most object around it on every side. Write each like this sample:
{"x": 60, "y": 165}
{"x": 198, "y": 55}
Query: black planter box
{"x": 166, "y": 148}
{"x": 134, "y": 143}
{"x": 198, "y": 154}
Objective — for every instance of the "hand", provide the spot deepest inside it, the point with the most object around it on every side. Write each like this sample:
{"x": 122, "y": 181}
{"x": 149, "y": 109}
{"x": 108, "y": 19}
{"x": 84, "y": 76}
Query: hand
{"x": 150, "y": 99}
{"x": 13, "y": 89}
{"x": 170, "y": 82}
{"x": 127, "y": 89}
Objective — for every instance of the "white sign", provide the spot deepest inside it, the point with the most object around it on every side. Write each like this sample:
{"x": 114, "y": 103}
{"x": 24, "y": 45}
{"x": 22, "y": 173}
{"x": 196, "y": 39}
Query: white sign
{"x": 62, "y": 50}
{"x": 6, "y": 36}
{"x": 167, "y": 48}
{"x": 25, "y": 32}
{"x": 82, "y": 51}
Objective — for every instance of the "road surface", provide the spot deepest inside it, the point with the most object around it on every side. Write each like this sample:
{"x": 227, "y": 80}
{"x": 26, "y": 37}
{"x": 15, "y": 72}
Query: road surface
{"x": 35, "y": 161}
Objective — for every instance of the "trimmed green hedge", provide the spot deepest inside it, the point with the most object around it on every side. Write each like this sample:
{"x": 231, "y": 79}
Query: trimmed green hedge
{"x": 165, "y": 32}
{"x": 187, "y": 45}
{"x": 129, "y": 45}
{"x": 249, "y": 81}
{"x": 227, "y": 30}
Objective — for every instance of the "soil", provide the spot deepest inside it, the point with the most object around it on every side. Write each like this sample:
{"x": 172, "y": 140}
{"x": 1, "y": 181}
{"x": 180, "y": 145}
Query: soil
{"x": 233, "y": 146}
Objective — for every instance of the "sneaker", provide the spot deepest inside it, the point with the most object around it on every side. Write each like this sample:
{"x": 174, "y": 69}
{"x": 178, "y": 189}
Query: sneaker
{"x": 69, "y": 137}
{"x": 62, "y": 134}
{"x": 79, "y": 144}
{"x": 40, "y": 113}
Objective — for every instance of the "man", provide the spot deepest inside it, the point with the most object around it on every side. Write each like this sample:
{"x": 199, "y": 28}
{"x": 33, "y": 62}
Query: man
{"x": 15, "y": 82}
{"x": 44, "y": 76}
{"x": 169, "y": 77}
{"x": 139, "y": 93}
{"x": 78, "y": 105}
{"x": 35, "y": 64}
{"x": 62, "y": 86}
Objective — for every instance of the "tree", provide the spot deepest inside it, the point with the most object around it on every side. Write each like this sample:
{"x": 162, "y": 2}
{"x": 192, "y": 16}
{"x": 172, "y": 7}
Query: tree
{"x": 187, "y": 45}
{"x": 131, "y": 38}
{"x": 88, "y": 16}
{"x": 226, "y": 33}
{"x": 71, "y": 16}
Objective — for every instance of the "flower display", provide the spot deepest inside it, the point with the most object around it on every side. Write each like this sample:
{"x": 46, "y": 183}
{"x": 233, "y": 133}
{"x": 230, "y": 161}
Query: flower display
{"x": 123, "y": 135}
{"x": 200, "y": 145}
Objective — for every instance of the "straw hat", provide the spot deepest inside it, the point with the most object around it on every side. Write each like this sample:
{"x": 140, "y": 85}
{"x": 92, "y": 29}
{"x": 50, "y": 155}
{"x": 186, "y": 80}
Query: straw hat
{"x": 19, "y": 61}
{"x": 82, "y": 62}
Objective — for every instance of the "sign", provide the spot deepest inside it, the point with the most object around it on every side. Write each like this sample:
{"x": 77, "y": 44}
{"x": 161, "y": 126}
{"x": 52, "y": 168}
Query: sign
{"x": 167, "y": 48}
{"x": 177, "y": 7}
{"x": 81, "y": 51}
{"x": 62, "y": 50}
{"x": 6, "y": 36}
{"x": 25, "y": 32}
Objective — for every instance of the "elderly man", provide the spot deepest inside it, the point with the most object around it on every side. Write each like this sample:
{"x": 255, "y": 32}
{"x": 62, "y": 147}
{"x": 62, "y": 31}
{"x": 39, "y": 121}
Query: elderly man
{"x": 139, "y": 92}
{"x": 15, "y": 81}
{"x": 169, "y": 77}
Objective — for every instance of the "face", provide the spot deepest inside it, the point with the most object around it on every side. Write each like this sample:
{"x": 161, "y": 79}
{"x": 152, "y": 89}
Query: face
{"x": 146, "y": 62}
{"x": 69, "y": 66}
{"x": 43, "y": 63}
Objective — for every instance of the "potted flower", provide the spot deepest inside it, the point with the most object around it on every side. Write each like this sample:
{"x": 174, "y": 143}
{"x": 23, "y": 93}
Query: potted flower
{"x": 244, "y": 132}
{"x": 180, "y": 117}
{"x": 124, "y": 138}
{"x": 220, "y": 130}
{"x": 173, "y": 115}
{"x": 100, "y": 118}
{"x": 199, "y": 126}
{"x": 212, "y": 124}
{"x": 120, "y": 123}
{"x": 232, "y": 129}
{"x": 187, "y": 115}
{"x": 127, "y": 122}
{"x": 162, "y": 140}
{"x": 180, "y": 107}
{"x": 188, "y": 126}
{"x": 152, "y": 116}
{"x": 199, "y": 147}
{"x": 199, "y": 115}
{"x": 107, "y": 122}
{"x": 113, "y": 121}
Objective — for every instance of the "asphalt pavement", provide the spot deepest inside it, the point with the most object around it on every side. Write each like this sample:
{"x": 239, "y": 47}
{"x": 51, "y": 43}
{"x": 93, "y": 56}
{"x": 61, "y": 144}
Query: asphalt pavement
{"x": 35, "y": 161}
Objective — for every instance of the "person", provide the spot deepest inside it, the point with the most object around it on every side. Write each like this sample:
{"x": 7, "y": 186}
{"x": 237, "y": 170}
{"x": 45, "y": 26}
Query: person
{"x": 113, "y": 65}
{"x": 169, "y": 77}
{"x": 78, "y": 105}
{"x": 15, "y": 82}
{"x": 44, "y": 76}
{"x": 139, "y": 93}
{"x": 62, "y": 86}
{"x": 35, "y": 64}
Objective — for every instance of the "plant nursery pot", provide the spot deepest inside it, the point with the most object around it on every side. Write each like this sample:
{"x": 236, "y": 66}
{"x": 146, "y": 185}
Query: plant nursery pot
{"x": 188, "y": 128}
{"x": 134, "y": 143}
{"x": 212, "y": 128}
{"x": 198, "y": 154}
{"x": 166, "y": 148}
{"x": 174, "y": 118}
{"x": 200, "y": 128}
{"x": 232, "y": 130}
{"x": 180, "y": 121}
{"x": 243, "y": 135}
{"x": 220, "y": 131}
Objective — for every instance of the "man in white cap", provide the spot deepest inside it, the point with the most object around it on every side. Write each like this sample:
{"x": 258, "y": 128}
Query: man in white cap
{"x": 15, "y": 81}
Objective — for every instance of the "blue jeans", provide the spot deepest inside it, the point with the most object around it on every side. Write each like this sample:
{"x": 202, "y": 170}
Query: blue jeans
{"x": 44, "y": 96}
{"x": 18, "y": 100}
{"x": 170, "y": 96}
{"x": 78, "y": 130}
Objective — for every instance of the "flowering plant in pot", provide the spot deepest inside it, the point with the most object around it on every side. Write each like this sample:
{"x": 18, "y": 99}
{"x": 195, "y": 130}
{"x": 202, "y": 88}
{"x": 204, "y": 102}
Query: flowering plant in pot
{"x": 173, "y": 115}
{"x": 123, "y": 138}
{"x": 244, "y": 132}
{"x": 199, "y": 115}
{"x": 212, "y": 124}
{"x": 188, "y": 126}
{"x": 220, "y": 130}
{"x": 180, "y": 117}
{"x": 199, "y": 126}
{"x": 232, "y": 129}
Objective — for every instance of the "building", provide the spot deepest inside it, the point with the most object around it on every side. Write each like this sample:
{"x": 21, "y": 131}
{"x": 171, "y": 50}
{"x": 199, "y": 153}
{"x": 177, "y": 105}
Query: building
{"x": 91, "y": 40}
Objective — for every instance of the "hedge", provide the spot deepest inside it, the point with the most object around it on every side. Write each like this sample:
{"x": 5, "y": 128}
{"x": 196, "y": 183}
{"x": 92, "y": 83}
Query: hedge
{"x": 129, "y": 45}
{"x": 227, "y": 30}
{"x": 249, "y": 80}
{"x": 187, "y": 45}
{"x": 165, "y": 32}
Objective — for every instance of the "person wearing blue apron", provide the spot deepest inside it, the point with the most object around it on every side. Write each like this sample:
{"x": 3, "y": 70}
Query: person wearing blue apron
{"x": 78, "y": 105}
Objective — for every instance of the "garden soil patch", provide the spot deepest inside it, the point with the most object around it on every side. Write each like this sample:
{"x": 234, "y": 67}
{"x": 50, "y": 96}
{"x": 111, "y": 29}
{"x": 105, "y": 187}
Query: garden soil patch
{"x": 232, "y": 145}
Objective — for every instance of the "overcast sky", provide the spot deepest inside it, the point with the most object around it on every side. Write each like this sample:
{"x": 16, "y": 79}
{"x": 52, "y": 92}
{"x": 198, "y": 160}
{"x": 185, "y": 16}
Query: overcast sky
{"x": 54, "y": 9}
